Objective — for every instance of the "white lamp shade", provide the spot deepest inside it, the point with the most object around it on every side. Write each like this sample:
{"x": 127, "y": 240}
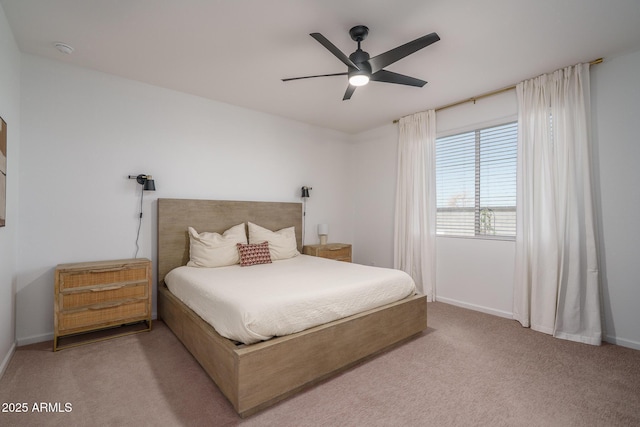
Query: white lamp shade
{"x": 323, "y": 229}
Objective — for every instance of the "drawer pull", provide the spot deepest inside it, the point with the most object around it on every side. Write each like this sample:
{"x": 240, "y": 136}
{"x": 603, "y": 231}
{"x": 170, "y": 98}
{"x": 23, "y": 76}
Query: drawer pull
{"x": 101, "y": 306}
{"x": 336, "y": 247}
{"x": 106, "y": 270}
{"x": 107, "y": 288}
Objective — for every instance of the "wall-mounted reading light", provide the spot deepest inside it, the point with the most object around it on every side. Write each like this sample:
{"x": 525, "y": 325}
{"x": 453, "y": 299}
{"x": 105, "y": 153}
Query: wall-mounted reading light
{"x": 304, "y": 193}
{"x": 146, "y": 181}
{"x": 148, "y": 184}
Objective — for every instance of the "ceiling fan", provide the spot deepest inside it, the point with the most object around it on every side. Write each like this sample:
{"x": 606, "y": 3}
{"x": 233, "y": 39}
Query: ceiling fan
{"x": 362, "y": 68}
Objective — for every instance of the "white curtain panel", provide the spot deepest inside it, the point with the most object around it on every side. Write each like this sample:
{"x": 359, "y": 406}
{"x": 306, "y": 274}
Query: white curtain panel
{"x": 415, "y": 214}
{"x": 556, "y": 273}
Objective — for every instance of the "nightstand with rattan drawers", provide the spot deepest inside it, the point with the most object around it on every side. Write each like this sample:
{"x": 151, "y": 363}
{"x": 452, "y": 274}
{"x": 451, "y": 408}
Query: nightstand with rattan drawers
{"x": 337, "y": 251}
{"x": 98, "y": 300}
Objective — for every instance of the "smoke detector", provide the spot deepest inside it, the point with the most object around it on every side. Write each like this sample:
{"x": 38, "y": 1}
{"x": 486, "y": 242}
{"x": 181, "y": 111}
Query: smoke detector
{"x": 64, "y": 48}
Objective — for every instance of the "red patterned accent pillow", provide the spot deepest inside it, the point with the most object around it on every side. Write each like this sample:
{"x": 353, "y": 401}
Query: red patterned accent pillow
{"x": 255, "y": 253}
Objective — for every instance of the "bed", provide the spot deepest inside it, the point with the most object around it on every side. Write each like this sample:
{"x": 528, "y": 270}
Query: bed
{"x": 255, "y": 376}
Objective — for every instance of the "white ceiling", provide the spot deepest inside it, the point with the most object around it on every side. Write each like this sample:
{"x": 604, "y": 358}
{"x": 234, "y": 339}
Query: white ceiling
{"x": 236, "y": 51}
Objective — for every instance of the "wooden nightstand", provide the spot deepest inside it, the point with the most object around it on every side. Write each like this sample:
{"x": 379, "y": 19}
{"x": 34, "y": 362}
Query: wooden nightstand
{"x": 337, "y": 251}
{"x": 98, "y": 300}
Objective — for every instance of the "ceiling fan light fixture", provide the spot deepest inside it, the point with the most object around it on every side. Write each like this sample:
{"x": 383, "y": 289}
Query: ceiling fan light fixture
{"x": 359, "y": 79}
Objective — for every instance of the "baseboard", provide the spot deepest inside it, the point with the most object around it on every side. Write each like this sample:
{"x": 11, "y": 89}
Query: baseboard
{"x": 35, "y": 339}
{"x": 7, "y": 359}
{"x": 475, "y": 307}
{"x": 610, "y": 339}
{"x": 622, "y": 342}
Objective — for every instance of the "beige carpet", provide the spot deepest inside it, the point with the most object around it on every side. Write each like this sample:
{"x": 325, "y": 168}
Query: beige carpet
{"x": 467, "y": 369}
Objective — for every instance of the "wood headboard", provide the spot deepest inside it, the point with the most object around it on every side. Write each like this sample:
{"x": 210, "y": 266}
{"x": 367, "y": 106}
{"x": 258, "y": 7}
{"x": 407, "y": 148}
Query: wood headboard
{"x": 176, "y": 215}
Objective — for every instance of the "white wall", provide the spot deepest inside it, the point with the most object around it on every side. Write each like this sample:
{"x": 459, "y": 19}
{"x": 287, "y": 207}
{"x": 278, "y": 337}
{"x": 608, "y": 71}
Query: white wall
{"x": 10, "y": 112}
{"x": 373, "y": 182}
{"x": 84, "y": 132}
{"x": 478, "y": 274}
{"x": 616, "y": 111}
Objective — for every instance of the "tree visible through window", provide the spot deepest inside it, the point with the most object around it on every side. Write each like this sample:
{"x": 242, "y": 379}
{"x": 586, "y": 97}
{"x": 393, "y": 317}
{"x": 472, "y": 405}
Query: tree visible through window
{"x": 476, "y": 182}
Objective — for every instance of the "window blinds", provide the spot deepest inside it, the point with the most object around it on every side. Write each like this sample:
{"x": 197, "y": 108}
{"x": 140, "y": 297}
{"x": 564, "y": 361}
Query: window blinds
{"x": 476, "y": 182}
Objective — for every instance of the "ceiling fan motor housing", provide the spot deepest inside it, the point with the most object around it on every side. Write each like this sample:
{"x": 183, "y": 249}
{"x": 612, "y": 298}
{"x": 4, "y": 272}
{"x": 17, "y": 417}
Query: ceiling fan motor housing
{"x": 359, "y": 33}
{"x": 361, "y": 59}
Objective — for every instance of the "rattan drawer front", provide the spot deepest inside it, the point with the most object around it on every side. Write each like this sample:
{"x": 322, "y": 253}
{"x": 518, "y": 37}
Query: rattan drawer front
{"x": 102, "y": 276}
{"x": 102, "y": 315}
{"x": 99, "y": 295}
{"x": 335, "y": 251}
{"x": 337, "y": 254}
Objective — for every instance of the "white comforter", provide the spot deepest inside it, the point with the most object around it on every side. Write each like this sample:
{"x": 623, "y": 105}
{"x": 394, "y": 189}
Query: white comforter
{"x": 251, "y": 304}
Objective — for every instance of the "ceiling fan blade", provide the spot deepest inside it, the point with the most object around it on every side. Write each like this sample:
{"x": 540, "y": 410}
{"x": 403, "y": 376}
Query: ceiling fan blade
{"x": 389, "y": 57}
{"x": 336, "y": 52}
{"x": 349, "y": 92}
{"x": 311, "y": 77}
{"x": 391, "y": 77}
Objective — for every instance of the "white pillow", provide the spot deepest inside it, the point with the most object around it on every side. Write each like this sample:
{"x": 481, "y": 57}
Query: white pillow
{"x": 282, "y": 243}
{"x": 214, "y": 250}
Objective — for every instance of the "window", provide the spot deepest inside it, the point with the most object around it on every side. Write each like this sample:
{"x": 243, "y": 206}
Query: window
{"x": 476, "y": 182}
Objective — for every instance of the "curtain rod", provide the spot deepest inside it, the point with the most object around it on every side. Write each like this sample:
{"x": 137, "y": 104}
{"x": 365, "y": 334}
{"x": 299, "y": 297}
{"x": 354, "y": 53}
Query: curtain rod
{"x": 488, "y": 94}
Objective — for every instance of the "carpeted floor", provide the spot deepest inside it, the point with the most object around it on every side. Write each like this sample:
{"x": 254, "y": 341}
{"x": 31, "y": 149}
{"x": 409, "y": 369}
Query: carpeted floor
{"x": 467, "y": 369}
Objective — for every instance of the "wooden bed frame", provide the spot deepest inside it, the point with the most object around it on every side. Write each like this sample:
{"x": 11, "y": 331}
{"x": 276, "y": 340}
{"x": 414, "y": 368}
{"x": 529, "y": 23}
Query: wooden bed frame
{"x": 255, "y": 376}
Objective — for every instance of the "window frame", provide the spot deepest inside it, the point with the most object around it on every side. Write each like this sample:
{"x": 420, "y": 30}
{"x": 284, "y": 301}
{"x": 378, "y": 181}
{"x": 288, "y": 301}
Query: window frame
{"x": 476, "y": 129}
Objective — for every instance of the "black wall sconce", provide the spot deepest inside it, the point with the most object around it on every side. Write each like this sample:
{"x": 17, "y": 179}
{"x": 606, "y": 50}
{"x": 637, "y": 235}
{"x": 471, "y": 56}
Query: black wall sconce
{"x": 148, "y": 184}
{"x": 304, "y": 193}
{"x": 146, "y": 181}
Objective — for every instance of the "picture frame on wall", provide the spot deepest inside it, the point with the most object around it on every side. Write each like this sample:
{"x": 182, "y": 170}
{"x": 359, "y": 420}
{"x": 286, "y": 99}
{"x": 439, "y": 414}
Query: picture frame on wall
{"x": 3, "y": 172}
